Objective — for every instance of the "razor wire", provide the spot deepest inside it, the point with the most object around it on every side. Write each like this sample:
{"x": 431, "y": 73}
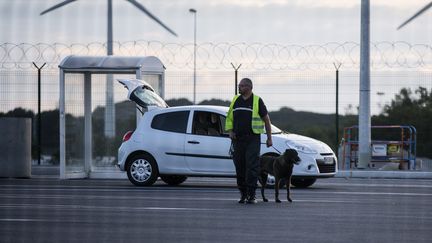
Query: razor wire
{"x": 219, "y": 56}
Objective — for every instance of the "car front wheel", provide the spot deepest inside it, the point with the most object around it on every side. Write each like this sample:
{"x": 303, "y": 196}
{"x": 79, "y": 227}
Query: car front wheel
{"x": 142, "y": 170}
{"x": 302, "y": 182}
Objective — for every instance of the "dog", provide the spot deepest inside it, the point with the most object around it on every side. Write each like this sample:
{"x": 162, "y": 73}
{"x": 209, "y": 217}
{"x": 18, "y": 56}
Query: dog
{"x": 281, "y": 168}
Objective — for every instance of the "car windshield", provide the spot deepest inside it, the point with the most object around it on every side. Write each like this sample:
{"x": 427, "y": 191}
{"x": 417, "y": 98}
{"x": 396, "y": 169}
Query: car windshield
{"x": 144, "y": 97}
{"x": 275, "y": 130}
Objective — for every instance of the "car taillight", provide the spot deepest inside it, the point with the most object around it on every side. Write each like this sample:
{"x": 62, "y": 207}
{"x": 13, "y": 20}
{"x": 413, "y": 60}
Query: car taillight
{"x": 127, "y": 136}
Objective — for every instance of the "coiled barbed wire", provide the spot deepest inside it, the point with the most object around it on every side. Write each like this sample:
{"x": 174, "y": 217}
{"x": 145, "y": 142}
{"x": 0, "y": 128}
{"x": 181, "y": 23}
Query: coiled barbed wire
{"x": 219, "y": 56}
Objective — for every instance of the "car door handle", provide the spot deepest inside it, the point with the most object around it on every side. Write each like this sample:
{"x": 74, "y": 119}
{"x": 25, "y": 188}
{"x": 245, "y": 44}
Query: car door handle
{"x": 193, "y": 142}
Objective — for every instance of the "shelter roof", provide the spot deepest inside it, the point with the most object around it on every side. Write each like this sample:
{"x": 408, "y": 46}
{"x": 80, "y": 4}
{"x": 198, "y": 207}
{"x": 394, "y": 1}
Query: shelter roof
{"x": 98, "y": 64}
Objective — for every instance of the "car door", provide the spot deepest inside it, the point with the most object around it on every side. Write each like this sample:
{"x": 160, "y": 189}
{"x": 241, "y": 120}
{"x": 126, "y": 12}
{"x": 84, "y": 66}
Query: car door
{"x": 167, "y": 140}
{"x": 207, "y": 146}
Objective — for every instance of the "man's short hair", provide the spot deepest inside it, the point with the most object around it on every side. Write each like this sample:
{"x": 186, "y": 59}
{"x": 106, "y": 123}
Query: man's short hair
{"x": 248, "y": 81}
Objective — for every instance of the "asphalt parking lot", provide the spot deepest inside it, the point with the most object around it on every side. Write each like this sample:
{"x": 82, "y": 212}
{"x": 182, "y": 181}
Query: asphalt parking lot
{"x": 205, "y": 210}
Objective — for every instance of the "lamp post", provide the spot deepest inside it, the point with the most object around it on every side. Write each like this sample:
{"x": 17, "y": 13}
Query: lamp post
{"x": 193, "y": 11}
{"x": 380, "y": 94}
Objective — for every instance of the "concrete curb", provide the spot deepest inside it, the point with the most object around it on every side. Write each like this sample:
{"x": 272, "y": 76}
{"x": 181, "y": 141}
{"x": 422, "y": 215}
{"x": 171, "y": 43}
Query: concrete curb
{"x": 384, "y": 174}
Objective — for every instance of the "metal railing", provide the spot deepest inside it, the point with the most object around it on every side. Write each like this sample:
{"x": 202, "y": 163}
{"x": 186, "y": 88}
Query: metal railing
{"x": 397, "y": 144}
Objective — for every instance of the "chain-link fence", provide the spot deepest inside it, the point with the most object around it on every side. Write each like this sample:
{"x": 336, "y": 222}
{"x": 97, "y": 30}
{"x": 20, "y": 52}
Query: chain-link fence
{"x": 300, "y": 77}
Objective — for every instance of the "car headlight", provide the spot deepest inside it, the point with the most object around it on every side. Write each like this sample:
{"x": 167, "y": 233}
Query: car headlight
{"x": 300, "y": 147}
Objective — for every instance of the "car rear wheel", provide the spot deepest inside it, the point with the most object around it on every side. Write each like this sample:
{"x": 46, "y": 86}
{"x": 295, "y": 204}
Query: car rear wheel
{"x": 302, "y": 182}
{"x": 142, "y": 170}
{"x": 173, "y": 180}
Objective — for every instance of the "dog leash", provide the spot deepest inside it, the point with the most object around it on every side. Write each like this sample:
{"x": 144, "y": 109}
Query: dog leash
{"x": 274, "y": 148}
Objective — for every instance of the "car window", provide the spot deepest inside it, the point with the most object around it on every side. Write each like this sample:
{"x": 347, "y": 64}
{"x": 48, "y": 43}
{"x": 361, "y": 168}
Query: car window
{"x": 222, "y": 119}
{"x": 207, "y": 123}
{"x": 171, "y": 121}
{"x": 275, "y": 130}
{"x": 145, "y": 97}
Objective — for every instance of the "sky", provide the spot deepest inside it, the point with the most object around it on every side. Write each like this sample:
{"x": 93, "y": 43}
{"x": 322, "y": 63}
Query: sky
{"x": 265, "y": 21}
{"x": 285, "y": 22}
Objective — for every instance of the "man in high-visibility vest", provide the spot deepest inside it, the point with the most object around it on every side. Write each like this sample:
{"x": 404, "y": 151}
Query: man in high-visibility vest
{"x": 246, "y": 120}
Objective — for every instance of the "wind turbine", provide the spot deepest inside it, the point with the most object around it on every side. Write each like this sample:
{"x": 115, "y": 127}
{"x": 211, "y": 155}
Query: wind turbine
{"x": 110, "y": 28}
{"x": 421, "y": 11}
{"x": 109, "y": 103}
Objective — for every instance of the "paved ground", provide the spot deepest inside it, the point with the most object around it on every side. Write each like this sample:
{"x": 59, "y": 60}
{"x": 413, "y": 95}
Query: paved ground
{"x": 205, "y": 210}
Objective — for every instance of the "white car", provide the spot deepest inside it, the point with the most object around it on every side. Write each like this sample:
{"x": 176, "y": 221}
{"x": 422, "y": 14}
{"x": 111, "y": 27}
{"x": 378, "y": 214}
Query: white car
{"x": 176, "y": 142}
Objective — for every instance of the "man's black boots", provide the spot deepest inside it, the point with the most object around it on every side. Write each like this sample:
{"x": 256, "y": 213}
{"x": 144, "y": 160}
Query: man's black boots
{"x": 251, "y": 199}
{"x": 243, "y": 196}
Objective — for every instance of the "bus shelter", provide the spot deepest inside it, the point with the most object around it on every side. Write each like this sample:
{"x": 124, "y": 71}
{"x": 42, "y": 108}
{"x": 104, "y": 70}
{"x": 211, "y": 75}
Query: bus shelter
{"x": 93, "y": 111}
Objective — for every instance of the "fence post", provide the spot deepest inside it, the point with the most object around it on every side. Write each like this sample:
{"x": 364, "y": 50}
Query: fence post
{"x": 337, "y": 104}
{"x": 39, "y": 111}
{"x": 235, "y": 73}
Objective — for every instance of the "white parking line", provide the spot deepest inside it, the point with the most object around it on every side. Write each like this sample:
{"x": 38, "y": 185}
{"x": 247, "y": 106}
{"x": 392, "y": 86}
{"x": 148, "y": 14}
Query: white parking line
{"x": 143, "y": 198}
{"x": 297, "y": 198}
{"x": 382, "y": 193}
{"x": 102, "y": 208}
{"x": 24, "y": 220}
{"x": 372, "y": 185}
{"x": 64, "y": 194}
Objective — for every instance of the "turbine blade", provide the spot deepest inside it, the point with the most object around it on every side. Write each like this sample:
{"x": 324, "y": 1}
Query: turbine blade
{"x": 416, "y": 15}
{"x": 142, "y": 8}
{"x": 57, "y": 6}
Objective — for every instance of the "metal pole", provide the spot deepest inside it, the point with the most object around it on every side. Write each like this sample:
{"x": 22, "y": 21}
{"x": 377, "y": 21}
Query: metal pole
{"x": 87, "y": 124}
{"x": 337, "y": 105}
{"x": 39, "y": 127}
{"x": 193, "y": 11}
{"x": 235, "y": 75}
{"x": 109, "y": 128}
{"x": 236, "y": 83}
{"x": 364, "y": 111}
{"x": 195, "y": 47}
{"x": 62, "y": 125}
{"x": 110, "y": 30}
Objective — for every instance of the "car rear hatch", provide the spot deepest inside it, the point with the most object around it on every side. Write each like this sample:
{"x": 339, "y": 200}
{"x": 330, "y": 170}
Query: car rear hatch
{"x": 142, "y": 93}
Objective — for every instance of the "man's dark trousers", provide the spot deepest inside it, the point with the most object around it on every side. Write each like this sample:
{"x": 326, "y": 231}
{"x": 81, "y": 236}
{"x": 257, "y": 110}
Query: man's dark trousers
{"x": 246, "y": 161}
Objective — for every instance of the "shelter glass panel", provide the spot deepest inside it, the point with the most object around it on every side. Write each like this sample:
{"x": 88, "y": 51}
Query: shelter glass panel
{"x": 74, "y": 122}
{"x": 105, "y": 145}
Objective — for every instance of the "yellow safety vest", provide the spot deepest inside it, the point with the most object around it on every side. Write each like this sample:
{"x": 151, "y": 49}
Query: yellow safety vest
{"x": 257, "y": 122}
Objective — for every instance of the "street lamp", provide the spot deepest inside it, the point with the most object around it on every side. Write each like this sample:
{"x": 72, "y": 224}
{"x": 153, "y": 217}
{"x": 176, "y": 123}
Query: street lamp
{"x": 193, "y": 11}
{"x": 380, "y": 95}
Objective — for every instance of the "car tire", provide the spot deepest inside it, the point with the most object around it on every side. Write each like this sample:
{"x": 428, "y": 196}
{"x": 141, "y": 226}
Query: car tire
{"x": 302, "y": 182}
{"x": 142, "y": 170}
{"x": 173, "y": 180}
